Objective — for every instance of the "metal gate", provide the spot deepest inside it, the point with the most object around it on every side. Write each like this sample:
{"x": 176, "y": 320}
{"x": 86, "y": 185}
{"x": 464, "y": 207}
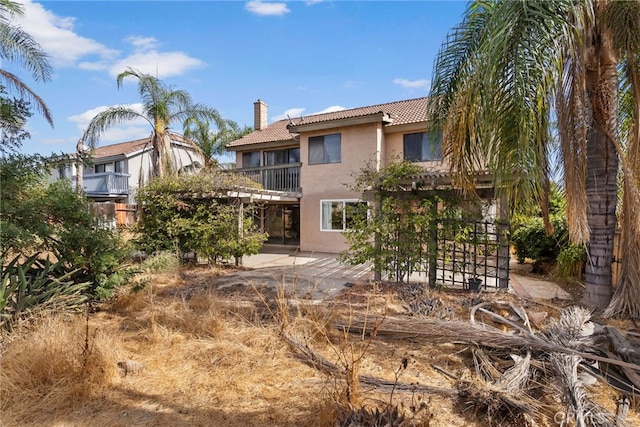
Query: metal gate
{"x": 472, "y": 253}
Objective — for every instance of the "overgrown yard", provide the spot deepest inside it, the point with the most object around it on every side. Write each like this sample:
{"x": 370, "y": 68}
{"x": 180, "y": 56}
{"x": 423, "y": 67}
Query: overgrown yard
{"x": 182, "y": 353}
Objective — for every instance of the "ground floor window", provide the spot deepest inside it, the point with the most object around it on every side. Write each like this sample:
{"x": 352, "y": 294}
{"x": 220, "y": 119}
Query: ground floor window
{"x": 341, "y": 215}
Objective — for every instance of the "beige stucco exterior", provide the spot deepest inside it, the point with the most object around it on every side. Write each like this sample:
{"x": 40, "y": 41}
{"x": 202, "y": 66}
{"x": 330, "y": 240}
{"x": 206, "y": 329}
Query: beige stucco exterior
{"x": 359, "y": 144}
{"x": 370, "y": 134}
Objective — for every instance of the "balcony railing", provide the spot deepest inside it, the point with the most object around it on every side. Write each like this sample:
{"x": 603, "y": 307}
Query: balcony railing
{"x": 106, "y": 184}
{"x": 280, "y": 177}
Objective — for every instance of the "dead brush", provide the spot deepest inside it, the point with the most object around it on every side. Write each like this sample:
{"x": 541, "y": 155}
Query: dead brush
{"x": 59, "y": 361}
{"x": 199, "y": 317}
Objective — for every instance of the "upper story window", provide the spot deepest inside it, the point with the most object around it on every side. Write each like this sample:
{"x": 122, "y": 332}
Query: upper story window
{"x": 280, "y": 157}
{"x": 251, "y": 159}
{"x": 102, "y": 168}
{"x": 324, "y": 149}
{"x": 120, "y": 166}
{"x": 117, "y": 166}
{"x": 422, "y": 147}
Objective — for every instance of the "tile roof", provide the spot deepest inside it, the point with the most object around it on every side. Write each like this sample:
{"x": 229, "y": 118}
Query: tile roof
{"x": 275, "y": 132}
{"x": 402, "y": 112}
{"x": 125, "y": 148}
{"x": 121, "y": 148}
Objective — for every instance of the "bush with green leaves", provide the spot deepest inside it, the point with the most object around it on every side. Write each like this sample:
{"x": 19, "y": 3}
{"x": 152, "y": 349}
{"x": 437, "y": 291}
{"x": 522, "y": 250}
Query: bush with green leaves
{"x": 530, "y": 240}
{"x": 191, "y": 213}
{"x": 39, "y": 216}
{"x": 397, "y": 234}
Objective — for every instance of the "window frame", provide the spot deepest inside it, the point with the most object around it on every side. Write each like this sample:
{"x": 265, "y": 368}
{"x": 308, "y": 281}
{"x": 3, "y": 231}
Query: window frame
{"x": 287, "y": 154}
{"x": 253, "y": 154}
{"x": 326, "y": 157}
{"x": 344, "y": 213}
{"x": 428, "y": 151}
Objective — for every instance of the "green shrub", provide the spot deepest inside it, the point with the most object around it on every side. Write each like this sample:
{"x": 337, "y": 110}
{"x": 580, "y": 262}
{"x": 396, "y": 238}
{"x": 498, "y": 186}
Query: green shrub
{"x": 39, "y": 216}
{"x": 570, "y": 262}
{"x": 530, "y": 240}
{"x": 177, "y": 217}
{"x": 161, "y": 262}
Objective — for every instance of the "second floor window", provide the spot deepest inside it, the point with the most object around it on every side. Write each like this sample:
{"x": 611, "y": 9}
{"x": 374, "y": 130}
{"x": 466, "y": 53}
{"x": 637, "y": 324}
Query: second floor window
{"x": 422, "y": 147}
{"x": 281, "y": 157}
{"x": 324, "y": 149}
{"x": 120, "y": 166}
{"x": 251, "y": 159}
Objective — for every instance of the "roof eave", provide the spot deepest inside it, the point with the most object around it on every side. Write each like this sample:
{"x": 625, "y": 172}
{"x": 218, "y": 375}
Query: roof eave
{"x": 335, "y": 123}
{"x": 266, "y": 144}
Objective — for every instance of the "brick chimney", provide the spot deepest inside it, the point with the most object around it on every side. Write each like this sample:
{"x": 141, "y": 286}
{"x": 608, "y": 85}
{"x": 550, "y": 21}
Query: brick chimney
{"x": 260, "y": 120}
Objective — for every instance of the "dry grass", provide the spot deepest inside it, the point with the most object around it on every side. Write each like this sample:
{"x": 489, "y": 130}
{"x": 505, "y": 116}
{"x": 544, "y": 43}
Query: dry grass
{"x": 217, "y": 358}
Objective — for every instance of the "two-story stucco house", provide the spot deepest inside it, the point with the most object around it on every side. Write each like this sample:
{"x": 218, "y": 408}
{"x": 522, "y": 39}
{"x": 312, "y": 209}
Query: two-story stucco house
{"x": 311, "y": 158}
{"x": 116, "y": 171}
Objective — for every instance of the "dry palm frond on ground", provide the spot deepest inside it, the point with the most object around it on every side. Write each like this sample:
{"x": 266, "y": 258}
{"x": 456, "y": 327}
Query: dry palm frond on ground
{"x": 182, "y": 353}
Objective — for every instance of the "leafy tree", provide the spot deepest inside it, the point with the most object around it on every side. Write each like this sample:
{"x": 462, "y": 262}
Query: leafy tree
{"x": 18, "y": 46}
{"x": 162, "y": 107}
{"x": 211, "y": 142}
{"x": 49, "y": 217}
{"x": 13, "y": 116}
{"x": 192, "y": 213}
{"x": 501, "y": 78}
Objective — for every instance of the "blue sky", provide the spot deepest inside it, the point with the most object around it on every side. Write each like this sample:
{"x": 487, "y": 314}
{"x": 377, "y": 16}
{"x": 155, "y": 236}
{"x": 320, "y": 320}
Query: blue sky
{"x": 300, "y": 57}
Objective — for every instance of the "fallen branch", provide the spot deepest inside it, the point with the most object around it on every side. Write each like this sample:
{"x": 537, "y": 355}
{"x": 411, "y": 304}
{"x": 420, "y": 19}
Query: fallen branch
{"x": 433, "y": 331}
{"x": 317, "y": 361}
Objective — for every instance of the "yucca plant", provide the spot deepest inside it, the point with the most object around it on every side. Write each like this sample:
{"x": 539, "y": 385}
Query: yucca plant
{"x": 37, "y": 284}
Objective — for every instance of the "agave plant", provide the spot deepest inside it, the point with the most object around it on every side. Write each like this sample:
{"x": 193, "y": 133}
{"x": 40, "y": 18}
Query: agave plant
{"x": 37, "y": 284}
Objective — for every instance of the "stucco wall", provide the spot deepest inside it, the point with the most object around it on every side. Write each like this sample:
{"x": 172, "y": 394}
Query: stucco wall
{"x": 327, "y": 182}
{"x": 394, "y": 149}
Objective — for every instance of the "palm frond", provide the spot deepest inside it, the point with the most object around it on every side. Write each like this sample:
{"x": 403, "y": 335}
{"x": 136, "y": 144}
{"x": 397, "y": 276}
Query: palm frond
{"x": 108, "y": 118}
{"x": 12, "y": 82}
{"x": 19, "y": 47}
{"x": 622, "y": 18}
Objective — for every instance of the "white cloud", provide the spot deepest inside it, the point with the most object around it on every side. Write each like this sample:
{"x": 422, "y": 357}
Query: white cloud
{"x": 290, "y": 113}
{"x": 296, "y": 113}
{"x": 260, "y": 7}
{"x": 331, "y": 109}
{"x": 128, "y": 131}
{"x": 160, "y": 64}
{"x": 123, "y": 133}
{"x": 56, "y": 36}
{"x": 143, "y": 43}
{"x": 420, "y": 83}
{"x": 68, "y": 49}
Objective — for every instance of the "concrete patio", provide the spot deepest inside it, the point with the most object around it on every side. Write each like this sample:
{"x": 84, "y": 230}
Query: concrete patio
{"x": 320, "y": 275}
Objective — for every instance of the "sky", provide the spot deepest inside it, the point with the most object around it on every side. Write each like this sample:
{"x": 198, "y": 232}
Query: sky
{"x": 299, "y": 57}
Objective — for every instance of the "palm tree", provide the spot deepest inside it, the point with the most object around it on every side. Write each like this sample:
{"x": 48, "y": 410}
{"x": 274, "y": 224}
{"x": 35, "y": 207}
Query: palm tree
{"x": 18, "y": 46}
{"x": 161, "y": 106}
{"x": 213, "y": 142}
{"x": 511, "y": 74}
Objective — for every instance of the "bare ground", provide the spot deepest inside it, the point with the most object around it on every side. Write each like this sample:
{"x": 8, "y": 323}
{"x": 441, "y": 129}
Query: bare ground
{"x": 181, "y": 353}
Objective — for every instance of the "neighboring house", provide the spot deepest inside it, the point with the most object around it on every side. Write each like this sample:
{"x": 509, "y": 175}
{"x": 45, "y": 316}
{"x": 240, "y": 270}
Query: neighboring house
{"x": 115, "y": 172}
{"x": 310, "y": 159}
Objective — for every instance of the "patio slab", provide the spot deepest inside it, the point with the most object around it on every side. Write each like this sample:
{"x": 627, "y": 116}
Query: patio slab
{"x": 319, "y": 275}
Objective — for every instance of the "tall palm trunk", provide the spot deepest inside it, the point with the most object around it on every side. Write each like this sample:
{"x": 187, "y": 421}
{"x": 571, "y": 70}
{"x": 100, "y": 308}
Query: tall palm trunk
{"x": 161, "y": 151}
{"x": 601, "y": 188}
{"x": 602, "y": 165}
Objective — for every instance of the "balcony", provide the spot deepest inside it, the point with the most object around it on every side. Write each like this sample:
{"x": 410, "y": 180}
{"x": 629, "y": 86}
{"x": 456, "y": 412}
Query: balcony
{"x": 106, "y": 184}
{"x": 279, "y": 178}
